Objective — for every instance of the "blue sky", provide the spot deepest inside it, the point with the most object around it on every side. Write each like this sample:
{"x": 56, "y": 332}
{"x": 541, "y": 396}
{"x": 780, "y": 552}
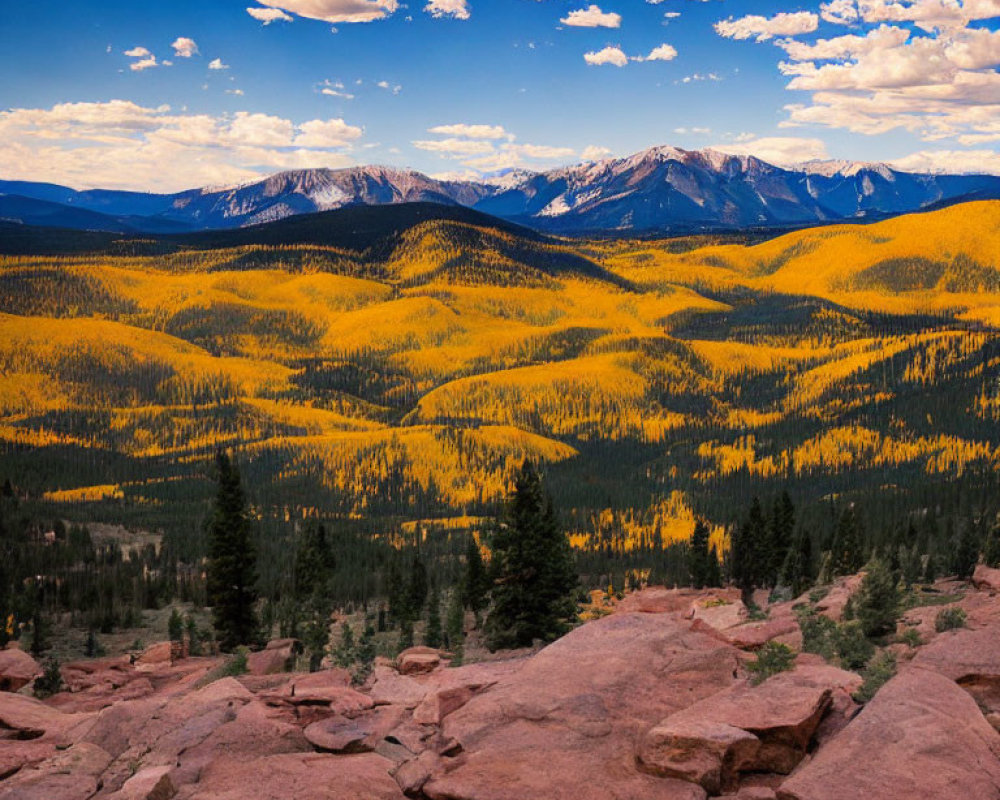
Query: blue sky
{"x": 168, "y": 94}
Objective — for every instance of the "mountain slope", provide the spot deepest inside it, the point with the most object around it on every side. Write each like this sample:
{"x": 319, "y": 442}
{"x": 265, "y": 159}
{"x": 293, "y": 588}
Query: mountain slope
{"x": 660, "y": 190}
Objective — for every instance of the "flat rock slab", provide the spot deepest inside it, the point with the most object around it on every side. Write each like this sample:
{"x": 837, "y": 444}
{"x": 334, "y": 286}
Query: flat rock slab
{"x": 305, "y": 776}
{"x": 765, "y": 728}
{"x": 363, "y": 733}
{"x": 921, "y": 736}
{"x": 17, "y": 669}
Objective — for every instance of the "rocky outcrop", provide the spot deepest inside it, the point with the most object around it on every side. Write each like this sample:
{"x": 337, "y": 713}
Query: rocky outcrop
{"x": 765, "y": 728}
{"x": 278, "y": 656}
{"x": 564, "y": 723}
{"x": 986, "y": 579}
{"x": 418, "y": 660}
{"x": 921, "y": 736}
{"x": 17, "y": 669}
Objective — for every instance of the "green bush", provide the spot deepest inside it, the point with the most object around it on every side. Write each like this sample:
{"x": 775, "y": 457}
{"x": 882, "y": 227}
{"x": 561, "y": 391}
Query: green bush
{"x": 772, "y": 658}
{"x": 880, "y": 668}
{"x": 852, "y": 646}
{"x": 949, "y": 619}
{"x": 876, "y": 604}
{"x": 50, "y": 682}
{"x": 911, "y": 638}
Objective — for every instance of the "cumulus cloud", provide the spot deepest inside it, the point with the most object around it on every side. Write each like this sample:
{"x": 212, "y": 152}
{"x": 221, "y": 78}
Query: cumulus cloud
{"x": 471, "y": 131}
{"x": 489, "y": 148}
{"x": 595, "y": 153}
{"x": 335, "y": 10}
{"x": 785, "y": 151}
{"x": 269, "y": 15}
{"x": 184, "y": 47}
{"x": 976, "y": 162}
{"x": 459, "y": 9}
{"x": 924, "y": 66}
{"x": 216, "y": 63}
{"x": 764, "y": 28}
{"x": 664, "y": 52}
{"x": 592, "y": 17}
{"x": 609, "y": 55}
{"x": 121, "y": 144}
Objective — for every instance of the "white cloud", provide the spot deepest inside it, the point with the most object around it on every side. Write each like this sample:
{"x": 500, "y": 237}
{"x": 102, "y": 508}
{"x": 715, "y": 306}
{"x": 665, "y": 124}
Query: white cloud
{"x": 471, "y": 131}
{"x": 237, "y": 92}
{"x": 609, "y": 55}
{"x": 269, "y": 15}
{"x": 595, "y": 153}
{"x": 138, "y": 52}
{"x": 184, "y": 47}
{"x": 664, "y": 52}
{"x": 459, "y": 9}
{"x": 923, "y": 66}
{"x": 336, "y": 10}
{"x": 332, "y": 92}
{"x": 120, "y": 144}
{"x": 216, "y": 63}
{"x": 456, "y": 147}
{"x": 592, "y": 17}
{"x": 764, "y": 28}
{"x": 979, "y": 162}
{"x": 781, "y": 150}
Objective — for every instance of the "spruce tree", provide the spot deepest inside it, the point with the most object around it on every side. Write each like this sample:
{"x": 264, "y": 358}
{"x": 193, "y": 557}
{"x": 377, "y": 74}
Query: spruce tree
{"x": 749, "y": 551}
{"x": 231, "y": 563}
{"x": 416, "y": 591}
{"x": 314, "y": 561}
{"x": 534, "y": 576}
{"x": 454, "y": 631}
{"x": 877, "y": 602}
{"x": 432, "y": 633}
{"x": 847, "y": 549}
{"x": 781, "y": 539}
{"x": 699, "y": 555}
{"x": 476, "y": 581}
{"x": 965, "y": 556}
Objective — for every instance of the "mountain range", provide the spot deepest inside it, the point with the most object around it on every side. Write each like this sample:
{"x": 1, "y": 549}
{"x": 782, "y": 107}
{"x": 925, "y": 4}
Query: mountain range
{"x": 659, "y": 190}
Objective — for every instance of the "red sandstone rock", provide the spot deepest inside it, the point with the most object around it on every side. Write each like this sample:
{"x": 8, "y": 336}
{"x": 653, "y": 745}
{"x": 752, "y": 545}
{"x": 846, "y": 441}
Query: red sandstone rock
{"x": 562, "y": 725}
{"x": 921, "y": 736}
{"x": 986, "y": 579}
{"x": 303, "y": 776}
{"x": 156, "y": 655}
{"x": 70, "y": 774}
{"x": 746, "y": 728}
{"x": 17, "y": 669}
{"x": 418, "y": 660}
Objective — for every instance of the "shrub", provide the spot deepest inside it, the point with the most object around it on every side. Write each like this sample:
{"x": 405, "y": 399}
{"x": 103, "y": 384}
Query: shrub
{"x": 817, "y": 633}
{"x": 876, "y": 603}
{"x": 852, "y": 646}
{"x": 880, "y": 668}
{"x": 772, "y": 658}
{"x": 911, "y": 638}
{"x": 236, "y": 665}
{"x": 50, "y": 682}
{"x": 949, "y": 619}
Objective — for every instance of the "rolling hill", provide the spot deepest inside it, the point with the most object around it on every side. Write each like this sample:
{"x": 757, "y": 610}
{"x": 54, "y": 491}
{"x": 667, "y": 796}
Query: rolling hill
{"x": 393, "y": 365}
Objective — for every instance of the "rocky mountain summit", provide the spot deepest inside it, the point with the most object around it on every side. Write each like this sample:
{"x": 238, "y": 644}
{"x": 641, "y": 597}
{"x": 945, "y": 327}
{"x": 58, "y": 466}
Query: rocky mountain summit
{"x": 653, "y": 700}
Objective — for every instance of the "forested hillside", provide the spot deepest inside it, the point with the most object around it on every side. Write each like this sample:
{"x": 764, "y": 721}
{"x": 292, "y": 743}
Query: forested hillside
{"x": 390, "y": 381}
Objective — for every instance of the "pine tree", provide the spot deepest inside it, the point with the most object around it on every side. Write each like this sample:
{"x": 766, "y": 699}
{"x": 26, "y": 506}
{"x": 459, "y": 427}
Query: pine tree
{"x": 314, "y": 561}
{"x": 416, "y": 591}
{"x": 991, "y": 549}
{"x": 454, "y": 630}
{"x": 699, "y": 555}
{"x": 476, "y": 581}
{"x": 175, "y": 626}
{"x": 231, "y": 563}
{"x": 749, "y": 551}
{"x": 876, "y": 603}
{"x": 965, "y": 556}
{"x": 432, "y": 633}
{"x": 713, "y": 574}
{"x": 781, "y": 539}
{"x": 847, "y": 549}
{"x": 534, "y": 576}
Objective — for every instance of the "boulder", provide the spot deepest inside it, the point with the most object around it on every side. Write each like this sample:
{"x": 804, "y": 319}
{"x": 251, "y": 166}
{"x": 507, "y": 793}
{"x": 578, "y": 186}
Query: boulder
{"x": 720, "y": 613}
{"x": 17, "y": 669}
{"x": 971, "y": 658}
{"x": 754, "y": 635}
{"x": 418, "y": 660}
{"x": 986, "y": 579}
{"x": 391, "y": 688}
{"x": 71, "y": 774}
{"x": 278, "y": 656}
{"x": 765, "y": 728}
{"x": 833, "y": 604}
{"x": 413, "y": 775}
{"x": 562, "y": 724}
{"x": 156, "y": 655}
{"x": 29, "y": 718}
{"x": 303, "y": 776}
{"x": 921, "y": 736}
{"x": 16, "y": 755}
{"x": 360, "y": 734}
{"x": 150, "y": 783}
